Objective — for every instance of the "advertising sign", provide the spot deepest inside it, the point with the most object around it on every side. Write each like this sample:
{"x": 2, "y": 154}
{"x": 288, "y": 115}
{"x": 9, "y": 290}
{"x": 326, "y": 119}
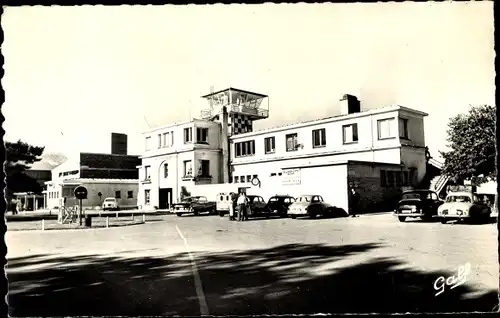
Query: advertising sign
{"x": 291, "y": 177}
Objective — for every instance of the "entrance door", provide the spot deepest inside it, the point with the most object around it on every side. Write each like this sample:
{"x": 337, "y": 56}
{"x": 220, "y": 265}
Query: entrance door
{"x": 165, "y": 198}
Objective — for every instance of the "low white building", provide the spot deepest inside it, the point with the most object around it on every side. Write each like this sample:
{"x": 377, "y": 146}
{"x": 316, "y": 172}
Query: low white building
{"x": 103, "y": 174}
{"x": 378, "y": 152}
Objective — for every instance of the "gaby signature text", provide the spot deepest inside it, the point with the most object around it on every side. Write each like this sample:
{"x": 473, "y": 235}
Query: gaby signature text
{"x": 452, "y": 281}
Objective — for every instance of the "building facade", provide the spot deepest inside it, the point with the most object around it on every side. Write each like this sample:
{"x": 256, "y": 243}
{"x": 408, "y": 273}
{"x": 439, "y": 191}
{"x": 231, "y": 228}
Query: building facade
{"x": 176, "y": 156}
{"x": 104, "y": 175}
{"x": 376, "y": 151}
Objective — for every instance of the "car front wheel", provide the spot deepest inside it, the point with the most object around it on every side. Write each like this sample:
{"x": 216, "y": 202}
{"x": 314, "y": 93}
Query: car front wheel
{"x": 443, "y": 220}
{"x": 293, "y": 217}
{"x": 179, "y": 214}
{"x": 402, "y": 218}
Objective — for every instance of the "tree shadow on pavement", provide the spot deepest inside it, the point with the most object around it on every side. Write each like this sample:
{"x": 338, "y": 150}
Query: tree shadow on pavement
{"x": 288, "y": 279}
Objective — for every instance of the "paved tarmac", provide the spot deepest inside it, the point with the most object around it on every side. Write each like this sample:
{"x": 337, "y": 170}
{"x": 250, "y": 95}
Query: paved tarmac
{"x": 209, "y": 265}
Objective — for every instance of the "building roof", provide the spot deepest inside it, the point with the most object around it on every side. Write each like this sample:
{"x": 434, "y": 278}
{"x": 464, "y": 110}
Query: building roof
{"x": 49, "y": 161}
{"x": 234, "y": 89}
{"x": 175, "y": 124}
{"x": 85, "y": 180}
{"x": 328, "y": 119}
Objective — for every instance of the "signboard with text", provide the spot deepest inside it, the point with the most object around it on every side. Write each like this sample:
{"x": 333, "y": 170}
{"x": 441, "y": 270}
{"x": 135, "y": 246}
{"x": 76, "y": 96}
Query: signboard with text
{"x": 291, "y": 177}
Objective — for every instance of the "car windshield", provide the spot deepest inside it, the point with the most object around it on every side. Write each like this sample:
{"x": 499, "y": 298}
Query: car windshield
{"x": 411, "y": 195}
{"x": 305, "y": 198}
{"x": 458, "y": 198}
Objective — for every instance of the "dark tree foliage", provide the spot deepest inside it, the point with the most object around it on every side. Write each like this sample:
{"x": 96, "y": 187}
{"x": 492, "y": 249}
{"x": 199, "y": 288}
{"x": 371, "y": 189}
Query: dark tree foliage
{"x": 18, "y": 158}
{"x": 471, "y": 138}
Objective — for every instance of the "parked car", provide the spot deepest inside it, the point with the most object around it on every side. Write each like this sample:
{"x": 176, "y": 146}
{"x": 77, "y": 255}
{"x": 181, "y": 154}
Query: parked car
{"x": 257, "y": 206}
{"x": 195, "y": 205}
{"x": 463, "y": 205}
{"x": 418, "y": 204}
{"x": 310, "y": 205}
{"x": 279, "y": 204}
{"x": 110, "y": 204}
{"x": 223, "y": 202}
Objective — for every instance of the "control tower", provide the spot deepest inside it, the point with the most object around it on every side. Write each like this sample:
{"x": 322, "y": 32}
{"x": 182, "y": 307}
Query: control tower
{"x": 243, "y": 108}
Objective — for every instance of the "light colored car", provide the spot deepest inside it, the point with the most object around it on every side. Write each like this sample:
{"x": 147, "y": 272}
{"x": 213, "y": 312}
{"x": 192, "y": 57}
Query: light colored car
{"x": 309, "y": 205}
{"x": 463, "y": 205}
{"x": 110, "y": 204}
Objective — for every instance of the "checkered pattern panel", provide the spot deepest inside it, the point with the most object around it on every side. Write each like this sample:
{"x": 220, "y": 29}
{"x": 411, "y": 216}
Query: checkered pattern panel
{"x": 240, "y": 124}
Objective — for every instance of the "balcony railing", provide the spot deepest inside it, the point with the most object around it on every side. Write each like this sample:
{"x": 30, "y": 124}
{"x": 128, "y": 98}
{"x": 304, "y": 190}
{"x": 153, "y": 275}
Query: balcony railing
{"x": 257, "y": 112}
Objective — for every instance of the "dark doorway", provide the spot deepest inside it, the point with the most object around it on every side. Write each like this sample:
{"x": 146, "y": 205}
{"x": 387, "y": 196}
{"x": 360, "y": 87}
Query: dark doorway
{"x": 243, "y": 189}
{"x": 165, "y": 198}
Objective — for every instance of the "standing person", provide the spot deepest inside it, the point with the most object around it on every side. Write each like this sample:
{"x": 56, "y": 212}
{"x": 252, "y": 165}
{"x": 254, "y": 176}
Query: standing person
{"x": 242, "y": 200}
{"x": 354, "y": 202}
{"x": 232, "y": 207}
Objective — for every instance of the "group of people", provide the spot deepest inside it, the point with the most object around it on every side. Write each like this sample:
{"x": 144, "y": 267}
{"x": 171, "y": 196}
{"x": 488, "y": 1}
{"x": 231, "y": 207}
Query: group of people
{"x": 240, "y": 204}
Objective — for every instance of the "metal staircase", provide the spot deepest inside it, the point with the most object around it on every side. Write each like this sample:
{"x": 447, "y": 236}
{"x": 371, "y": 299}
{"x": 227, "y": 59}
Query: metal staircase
{"x": 438, "y": 183}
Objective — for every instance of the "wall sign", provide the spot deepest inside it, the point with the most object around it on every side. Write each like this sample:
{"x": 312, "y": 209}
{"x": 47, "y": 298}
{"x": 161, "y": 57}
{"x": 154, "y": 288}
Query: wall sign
{"x": 291, "y": 177}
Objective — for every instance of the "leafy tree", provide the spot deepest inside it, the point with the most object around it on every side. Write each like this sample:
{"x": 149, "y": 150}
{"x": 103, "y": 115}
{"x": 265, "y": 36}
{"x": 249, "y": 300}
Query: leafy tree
{"x": 471, "y": 138}
{"x": 18, "y": 158}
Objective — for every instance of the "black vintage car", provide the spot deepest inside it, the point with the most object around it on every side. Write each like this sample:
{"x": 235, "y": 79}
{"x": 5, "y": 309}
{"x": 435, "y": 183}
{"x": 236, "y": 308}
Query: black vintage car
{"x": 195, "y": 205}
{"x": 418, "y": 204}
{"x": 279, "y": 204}
{"x": 257, "y": 206}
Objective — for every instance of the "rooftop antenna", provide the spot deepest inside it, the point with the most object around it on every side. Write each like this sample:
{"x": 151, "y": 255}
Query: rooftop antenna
{"x": 211, "y": 101}
{"x": 147, "y": 122}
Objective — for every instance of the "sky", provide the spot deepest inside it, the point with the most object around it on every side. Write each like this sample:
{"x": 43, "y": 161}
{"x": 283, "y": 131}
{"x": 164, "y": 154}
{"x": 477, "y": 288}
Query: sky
{"x": 75, "y": 74}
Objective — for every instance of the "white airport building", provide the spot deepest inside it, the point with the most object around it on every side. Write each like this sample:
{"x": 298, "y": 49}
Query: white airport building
{"x": 378, "y": 152}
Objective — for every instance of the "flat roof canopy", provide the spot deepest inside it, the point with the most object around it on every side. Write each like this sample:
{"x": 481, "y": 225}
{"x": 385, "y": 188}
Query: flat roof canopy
{"x": 232, "y": 89}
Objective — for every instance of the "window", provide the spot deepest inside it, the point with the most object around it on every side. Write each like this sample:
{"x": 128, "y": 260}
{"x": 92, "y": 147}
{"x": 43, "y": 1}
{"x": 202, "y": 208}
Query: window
{"x": 130, "y": 194}
{"x": 405, "y": 178}
{"x": 291, "y": 142}
{"x": 188, "y": 135}
{"x": 236, "y": 179}
{"x": 168, "y": 139}
{"x": 146, "y": 196}
{"x": 118, "y": 194}
{"x": 148, "y": 143}
{"x": 165, "y": 170}
{"x": 202, "y": 135}
{"x": 383, "y": 178}
{"x": 204, "y": 168}
{"x": 350, "y": 133}
{"x": 254, "y": 176}
{"x": 385, "y": 128}
{"x": 147, "y": 176}
{"x": 398, "y": 178}
{"x": 270, "y": 144}
{"x": 273, "y": 174}
{"x": 242, "y": 179}
{"x": 188, "y": 168}
{"x": 249, "y": 178}
{"x": 403, "y": 128}
{"x": 390, "y": 178}
{"x": 159, "y": 141}
{"x": 245, "y": 148}
{"x": 319, "y": 137}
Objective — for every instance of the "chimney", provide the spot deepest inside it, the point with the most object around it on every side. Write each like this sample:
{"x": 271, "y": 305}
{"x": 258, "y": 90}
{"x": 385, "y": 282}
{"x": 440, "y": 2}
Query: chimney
{"x": 118, "y": 144}
{"x": 349, "y": 104}
{"x": 225, "y": 145}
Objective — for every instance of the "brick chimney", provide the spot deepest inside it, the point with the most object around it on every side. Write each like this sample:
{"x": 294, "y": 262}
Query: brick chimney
{"x": 118, "y": 144}
{"x": 349, "y": 104}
